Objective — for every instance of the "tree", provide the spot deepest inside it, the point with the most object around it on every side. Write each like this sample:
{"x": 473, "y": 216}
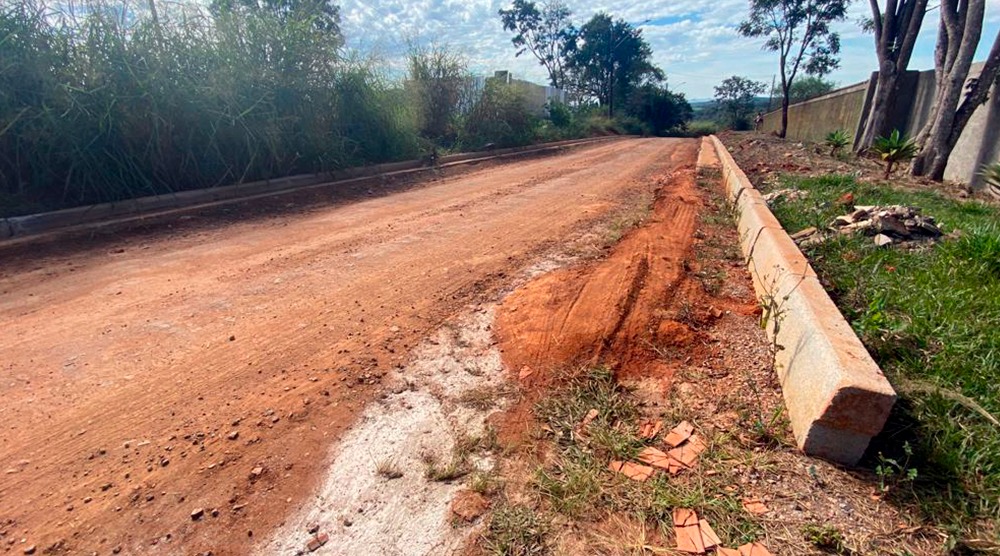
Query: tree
{"x": 659, "y": 108}
{"x": 542, "y": 32}
{"x": 499, "y": 116}
{"x": 736, "y": 97}
{"x": 437, "y": 80}
{"x": 607, "y": 59}
{"x": 896, "y": 28}
{"x": 959, "y": 32}
{"x": 799, "y": 31}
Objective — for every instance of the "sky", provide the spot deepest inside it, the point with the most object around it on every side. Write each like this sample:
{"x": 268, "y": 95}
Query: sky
{"x": 694, "y": 41}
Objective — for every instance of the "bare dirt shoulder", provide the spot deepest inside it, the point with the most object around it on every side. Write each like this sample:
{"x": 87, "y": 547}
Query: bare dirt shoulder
{"x": 764, "y": 158}
{"x": 670, "y": 314}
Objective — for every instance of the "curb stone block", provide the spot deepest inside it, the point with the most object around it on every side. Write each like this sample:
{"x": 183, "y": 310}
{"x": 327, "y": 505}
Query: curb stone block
{"x": 836, "y": 395}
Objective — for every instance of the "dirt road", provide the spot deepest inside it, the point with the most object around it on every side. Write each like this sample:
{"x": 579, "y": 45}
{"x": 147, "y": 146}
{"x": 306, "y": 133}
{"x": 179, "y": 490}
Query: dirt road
{"x": 155, "y": 375}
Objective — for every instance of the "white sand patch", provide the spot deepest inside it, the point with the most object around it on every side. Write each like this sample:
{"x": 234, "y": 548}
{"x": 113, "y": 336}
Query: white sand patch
{"x": 365, "y": 513}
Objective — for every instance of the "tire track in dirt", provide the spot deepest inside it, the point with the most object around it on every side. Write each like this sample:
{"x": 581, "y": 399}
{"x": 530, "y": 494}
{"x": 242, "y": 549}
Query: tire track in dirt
{"x": 157, "y": 375}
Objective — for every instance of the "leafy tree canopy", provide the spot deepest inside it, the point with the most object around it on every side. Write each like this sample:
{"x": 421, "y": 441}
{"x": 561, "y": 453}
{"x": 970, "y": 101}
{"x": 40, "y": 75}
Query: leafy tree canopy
{"x": 609, "y": 58}
{"x": 542, "y": 32}
{"x": 736, "y": 96}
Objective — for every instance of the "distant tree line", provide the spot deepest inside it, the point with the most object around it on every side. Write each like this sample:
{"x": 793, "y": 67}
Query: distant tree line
{"x": 102, "y": 100}
{"x": 605, "y": 62}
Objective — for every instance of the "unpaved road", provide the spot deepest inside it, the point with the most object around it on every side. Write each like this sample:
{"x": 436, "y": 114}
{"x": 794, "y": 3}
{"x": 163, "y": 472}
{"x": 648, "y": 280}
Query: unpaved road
{"x": 153, "y": 375}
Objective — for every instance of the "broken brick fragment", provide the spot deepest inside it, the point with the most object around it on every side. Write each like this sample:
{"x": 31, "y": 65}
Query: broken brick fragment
{"x": 687, "y": 453}
{"x": 656, "y": 458}
{"x": 317, "y": 541}
{"x": 688, "y": 531}
{"x": 631, "y": 470}
{"x": 649, "y": 429}
{"x": 754, "y": 549}
{"x": 679, "y": 434}
{"x": 708, "y": 535}
{"x": 754, "y": 506}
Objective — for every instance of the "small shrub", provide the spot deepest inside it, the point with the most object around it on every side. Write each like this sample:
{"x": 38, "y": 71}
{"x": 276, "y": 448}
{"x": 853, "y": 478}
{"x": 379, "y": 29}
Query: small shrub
{"x": 825, "y": 537}
{"x": 991, "y": 174}
{"x": 499, "y": 117}
{"x": 837, "y": 140}
{"x": 894, "y": 149}
{"x": 388, "y": 469}
{"x": 560, "y": 115}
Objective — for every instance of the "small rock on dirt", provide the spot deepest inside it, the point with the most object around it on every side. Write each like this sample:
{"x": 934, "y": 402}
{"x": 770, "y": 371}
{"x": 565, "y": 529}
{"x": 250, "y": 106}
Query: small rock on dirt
{"x": 317, "y": 541}
{"x": 197, "y": 514}
{"x": 883, "y": 240}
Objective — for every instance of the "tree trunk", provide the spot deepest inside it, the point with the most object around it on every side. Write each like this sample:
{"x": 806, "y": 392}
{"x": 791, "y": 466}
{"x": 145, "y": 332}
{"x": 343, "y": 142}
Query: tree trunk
{"x": 784, "y": 115}
{"x": 977, "y": 95}
{"x": 960, "y": 31}
{"x": 896, "y": 31}
{"x": 878, "y": 115}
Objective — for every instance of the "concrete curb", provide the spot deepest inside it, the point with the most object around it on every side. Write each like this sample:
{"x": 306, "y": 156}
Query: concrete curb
{"x": 22, "y": 227}
{"x": 836, "y": 395}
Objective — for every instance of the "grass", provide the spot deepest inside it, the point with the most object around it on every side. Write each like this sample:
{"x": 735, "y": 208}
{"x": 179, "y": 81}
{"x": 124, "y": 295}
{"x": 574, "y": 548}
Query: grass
{"x": 826, "y": 538}
{"x": 515, "y": 530}
{"x": 930, "y": 316}
{"x": 97, "y": 106}
{"x": 458, "y": 464}
{"x": 575, "y": 482}
{"x": 484, "y": 398}
{"x": 388, "y": 469}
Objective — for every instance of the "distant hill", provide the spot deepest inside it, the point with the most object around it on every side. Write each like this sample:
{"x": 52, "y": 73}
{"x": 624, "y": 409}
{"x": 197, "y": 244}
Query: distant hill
{"x": 707, "y": 109}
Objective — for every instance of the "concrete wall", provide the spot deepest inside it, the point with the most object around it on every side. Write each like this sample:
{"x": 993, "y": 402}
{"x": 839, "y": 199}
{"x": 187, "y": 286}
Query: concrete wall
{"x": 843, "y": 109}
{"x": 813, "y": 119}
{"x": 536, "y": 97}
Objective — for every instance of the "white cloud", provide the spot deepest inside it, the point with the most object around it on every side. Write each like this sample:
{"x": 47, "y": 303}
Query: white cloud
{"x": 694, "y": 41}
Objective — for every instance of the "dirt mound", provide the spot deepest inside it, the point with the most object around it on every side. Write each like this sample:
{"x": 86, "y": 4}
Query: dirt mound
{"x": 618, "y": 311}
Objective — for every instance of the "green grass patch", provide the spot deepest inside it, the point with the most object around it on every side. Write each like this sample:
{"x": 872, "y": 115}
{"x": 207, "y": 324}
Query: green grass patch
{"x": 930, "y": 316}
{"x": 577, "y": 483}
{"x": 515, "y": 530}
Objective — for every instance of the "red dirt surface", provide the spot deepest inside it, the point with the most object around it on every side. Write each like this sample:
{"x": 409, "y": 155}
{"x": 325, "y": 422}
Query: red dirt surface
{"x": 608, "y": 311}
{"x": 146, "y": 376}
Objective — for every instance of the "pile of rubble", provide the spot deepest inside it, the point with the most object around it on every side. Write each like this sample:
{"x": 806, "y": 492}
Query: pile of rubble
{"x": 887, "y": 225}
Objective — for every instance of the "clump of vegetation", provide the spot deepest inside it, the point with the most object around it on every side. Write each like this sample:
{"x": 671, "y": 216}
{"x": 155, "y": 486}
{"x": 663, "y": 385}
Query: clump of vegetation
{"x": 736, "y": 97}
{"x": 499, "y": 117}
{"x": 101, "y": 101}
{"x": 927, "y": 316}
{"x": 991, "y": 174}
{"x": 388, "y": 469}
{"x": 825, "y": 537}
{"x": 837, "y": 140}
{"x": 894, "y": 149}
{"x": 515, "y": 530}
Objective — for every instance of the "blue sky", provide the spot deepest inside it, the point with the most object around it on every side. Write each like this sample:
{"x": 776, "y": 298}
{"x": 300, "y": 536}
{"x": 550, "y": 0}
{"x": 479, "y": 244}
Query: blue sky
{"x": 695, "y": 41}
